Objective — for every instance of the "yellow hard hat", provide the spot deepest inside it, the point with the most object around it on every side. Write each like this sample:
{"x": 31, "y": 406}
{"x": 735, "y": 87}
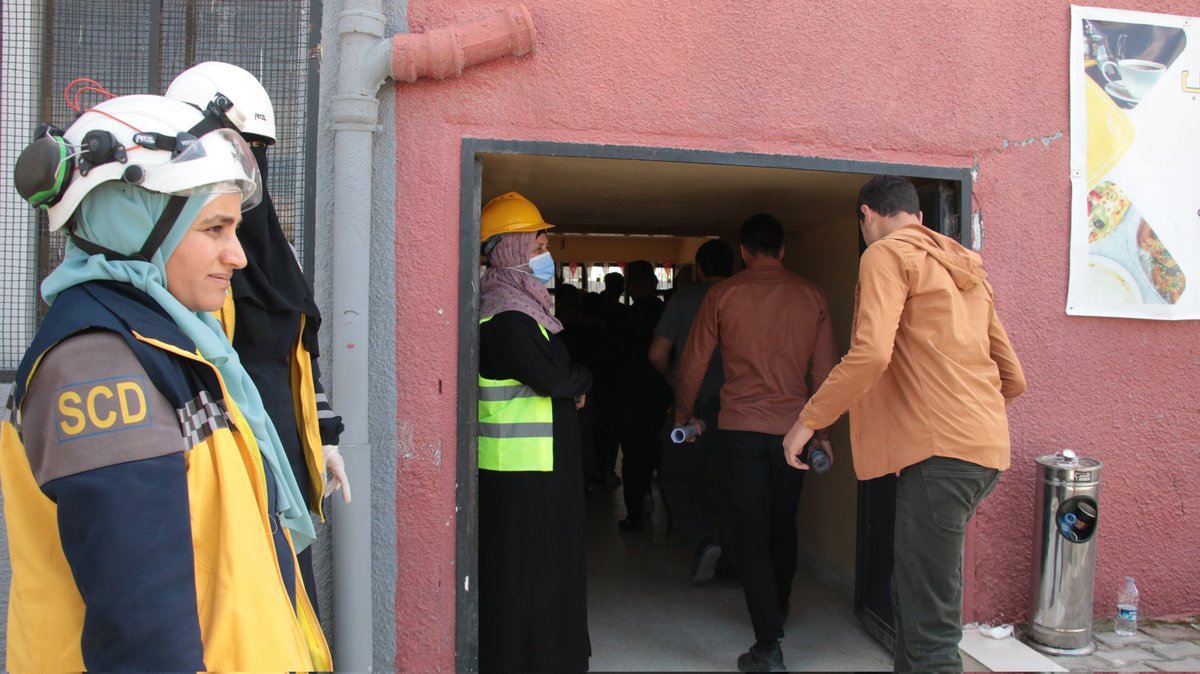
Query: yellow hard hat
{"x": 510, "y": 212}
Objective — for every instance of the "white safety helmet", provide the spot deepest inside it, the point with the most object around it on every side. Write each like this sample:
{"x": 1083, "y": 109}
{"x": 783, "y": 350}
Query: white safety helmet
{"x": 143, "y": 140}
{"x": 246, "y": 104}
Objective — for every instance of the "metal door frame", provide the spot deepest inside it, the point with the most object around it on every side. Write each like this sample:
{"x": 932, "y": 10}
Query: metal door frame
{"x": 471, "y": 185}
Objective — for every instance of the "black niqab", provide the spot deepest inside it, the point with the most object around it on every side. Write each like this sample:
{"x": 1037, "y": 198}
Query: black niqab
{"x": 272, "y": 279}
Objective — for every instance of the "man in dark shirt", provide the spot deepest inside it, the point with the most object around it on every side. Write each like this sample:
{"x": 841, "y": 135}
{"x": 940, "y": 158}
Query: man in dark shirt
{"x": 607, "y": 428}
{"x": 642, "y": 394}
{"x": 776, "y": 341}
{"x": 681, "y": 463}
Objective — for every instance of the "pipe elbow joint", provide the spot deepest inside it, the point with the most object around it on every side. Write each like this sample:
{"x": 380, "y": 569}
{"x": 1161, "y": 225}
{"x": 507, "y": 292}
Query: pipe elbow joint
{"x": 446, "y": 52}
{"x": 364, "y": 70}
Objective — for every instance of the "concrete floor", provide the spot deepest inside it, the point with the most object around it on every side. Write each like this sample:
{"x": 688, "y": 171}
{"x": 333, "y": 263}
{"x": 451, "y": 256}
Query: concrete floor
{"x": 645, "y": 615}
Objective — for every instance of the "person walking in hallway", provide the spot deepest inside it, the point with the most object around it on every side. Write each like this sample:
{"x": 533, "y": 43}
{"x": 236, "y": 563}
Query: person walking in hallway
{"x": 642, "y": 395}
{"x": 776, "y": 342}
{"x": 929, "y": 372}
{"x": 611, "y": 314}
{"x": 681, "y": 463}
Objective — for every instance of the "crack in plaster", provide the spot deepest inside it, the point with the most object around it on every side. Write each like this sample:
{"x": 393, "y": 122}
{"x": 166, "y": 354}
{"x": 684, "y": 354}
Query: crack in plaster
{"x": 1045, "y": 140}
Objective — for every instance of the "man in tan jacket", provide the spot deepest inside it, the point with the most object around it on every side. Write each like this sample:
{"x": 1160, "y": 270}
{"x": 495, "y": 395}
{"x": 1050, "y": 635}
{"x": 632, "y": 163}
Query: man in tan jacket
{"x": 927, "y": 378}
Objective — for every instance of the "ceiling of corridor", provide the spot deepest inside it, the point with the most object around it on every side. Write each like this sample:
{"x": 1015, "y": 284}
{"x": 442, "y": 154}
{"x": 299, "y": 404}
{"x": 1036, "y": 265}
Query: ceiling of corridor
{"x": 659, "y": 197}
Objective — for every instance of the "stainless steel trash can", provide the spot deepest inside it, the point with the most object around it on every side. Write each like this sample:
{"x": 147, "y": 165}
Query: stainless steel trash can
{"x": 1064, "y": 562}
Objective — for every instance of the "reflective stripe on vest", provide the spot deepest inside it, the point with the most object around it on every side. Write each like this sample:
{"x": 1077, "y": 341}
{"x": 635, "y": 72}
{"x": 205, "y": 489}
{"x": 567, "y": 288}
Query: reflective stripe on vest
{"x": 516, "y": 425}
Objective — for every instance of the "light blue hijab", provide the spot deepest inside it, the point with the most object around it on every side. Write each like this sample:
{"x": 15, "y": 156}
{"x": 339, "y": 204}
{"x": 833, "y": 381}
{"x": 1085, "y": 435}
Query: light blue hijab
{"x": 119, "y": 217}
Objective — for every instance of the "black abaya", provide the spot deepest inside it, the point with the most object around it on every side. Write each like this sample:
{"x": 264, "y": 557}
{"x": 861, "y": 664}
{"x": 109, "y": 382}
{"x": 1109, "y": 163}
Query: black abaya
{"x": 532, "y": 556}
{"x": 267, "y": 359}
{"x": 270, "y": 294}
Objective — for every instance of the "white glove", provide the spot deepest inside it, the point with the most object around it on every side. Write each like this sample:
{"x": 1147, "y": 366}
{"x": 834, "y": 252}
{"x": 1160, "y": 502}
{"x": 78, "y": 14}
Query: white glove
{"x": 336, "y": 465}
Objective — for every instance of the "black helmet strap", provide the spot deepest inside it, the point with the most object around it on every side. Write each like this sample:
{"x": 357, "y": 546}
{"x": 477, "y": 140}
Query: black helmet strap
{"x": 215, "y": 116}
{"x": 157, "y": 235}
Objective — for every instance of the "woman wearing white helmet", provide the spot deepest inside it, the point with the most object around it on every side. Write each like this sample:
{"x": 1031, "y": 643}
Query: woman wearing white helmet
{"x": 151, "y": 512}
{"x": 232, "y": 95}
{"x": 270, "y": 314}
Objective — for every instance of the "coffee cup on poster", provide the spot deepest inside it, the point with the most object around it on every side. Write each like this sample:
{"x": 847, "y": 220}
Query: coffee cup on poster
{"x": 1136, "y": 76}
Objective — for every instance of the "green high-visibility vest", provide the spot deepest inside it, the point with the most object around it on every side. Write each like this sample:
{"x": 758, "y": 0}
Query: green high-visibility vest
{"x": 516, "y": 425}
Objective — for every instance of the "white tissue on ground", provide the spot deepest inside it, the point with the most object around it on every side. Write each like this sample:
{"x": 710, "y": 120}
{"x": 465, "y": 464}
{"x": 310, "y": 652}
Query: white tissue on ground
{"x": 998, "y": 632}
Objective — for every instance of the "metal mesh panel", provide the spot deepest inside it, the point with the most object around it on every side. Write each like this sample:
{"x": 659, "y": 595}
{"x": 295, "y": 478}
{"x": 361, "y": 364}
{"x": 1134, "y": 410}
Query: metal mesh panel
{"x": 269, "y": 38}
{"x": 132, "y": 47}
{"x": 21, "y": 73}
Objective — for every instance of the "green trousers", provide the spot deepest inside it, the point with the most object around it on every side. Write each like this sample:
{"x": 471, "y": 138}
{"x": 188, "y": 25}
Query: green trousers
{"x": 934, "y": 501}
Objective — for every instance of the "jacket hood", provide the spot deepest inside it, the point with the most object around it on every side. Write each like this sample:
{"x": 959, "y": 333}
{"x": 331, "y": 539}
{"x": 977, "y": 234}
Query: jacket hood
{"x": 965, "y": 266}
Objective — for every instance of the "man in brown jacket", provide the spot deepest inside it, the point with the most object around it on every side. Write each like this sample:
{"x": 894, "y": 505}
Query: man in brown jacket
{"x": 927, "y": 378}
{"x": 777, "y": 345}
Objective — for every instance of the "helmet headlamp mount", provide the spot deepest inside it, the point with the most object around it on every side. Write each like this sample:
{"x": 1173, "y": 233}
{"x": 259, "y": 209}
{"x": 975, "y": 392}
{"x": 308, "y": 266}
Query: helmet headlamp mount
{"x": 99, "y": 147}
{"x": 217, "y": 116}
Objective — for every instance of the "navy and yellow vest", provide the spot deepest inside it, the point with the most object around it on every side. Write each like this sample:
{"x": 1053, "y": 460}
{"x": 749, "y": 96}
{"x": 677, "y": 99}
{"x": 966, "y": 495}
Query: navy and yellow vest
{"x": 121, "y": 309}
{"x": 516, "y": 425}
{"x": 235, "y": 543}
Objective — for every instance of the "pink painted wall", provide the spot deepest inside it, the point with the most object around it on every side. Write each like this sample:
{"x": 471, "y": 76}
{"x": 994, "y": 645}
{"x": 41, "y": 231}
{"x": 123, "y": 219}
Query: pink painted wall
{"x": 912, "y": 81}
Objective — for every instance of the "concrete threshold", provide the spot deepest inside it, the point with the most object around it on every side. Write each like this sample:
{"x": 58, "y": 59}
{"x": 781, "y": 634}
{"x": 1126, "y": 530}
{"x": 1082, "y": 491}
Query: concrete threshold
{"x": 1002, "y": 655}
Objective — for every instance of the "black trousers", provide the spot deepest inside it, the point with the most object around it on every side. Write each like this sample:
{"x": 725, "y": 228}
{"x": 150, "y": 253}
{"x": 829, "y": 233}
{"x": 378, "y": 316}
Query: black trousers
{"x": 679, "y": 476}
{"x": 763, "y": 494}
{"x": 606, "y": 431}
{"x": 640, "y": 453}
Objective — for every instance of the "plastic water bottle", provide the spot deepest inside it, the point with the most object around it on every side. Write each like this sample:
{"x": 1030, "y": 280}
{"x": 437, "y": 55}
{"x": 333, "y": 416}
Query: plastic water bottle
{"x": 681, "y": 434}
{"x": 1127, "y": 602}
{"x": 818, "y": 460}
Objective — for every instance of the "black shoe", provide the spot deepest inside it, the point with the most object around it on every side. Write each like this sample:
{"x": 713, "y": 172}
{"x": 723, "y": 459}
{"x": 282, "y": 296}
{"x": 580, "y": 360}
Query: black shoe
{"x": 705, "y": 565}
{"x": 765, "y": 659}
{"x": 631, "y": 526}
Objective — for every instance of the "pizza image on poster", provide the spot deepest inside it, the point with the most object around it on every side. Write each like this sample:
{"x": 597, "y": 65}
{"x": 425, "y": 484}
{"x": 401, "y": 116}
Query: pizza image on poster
{"x": 1118, "y": 233}
{"x": 1106, "y": 208}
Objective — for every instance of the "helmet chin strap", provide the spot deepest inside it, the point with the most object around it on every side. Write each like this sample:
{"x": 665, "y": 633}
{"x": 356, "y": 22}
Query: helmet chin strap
{"x": 157, "y": 235}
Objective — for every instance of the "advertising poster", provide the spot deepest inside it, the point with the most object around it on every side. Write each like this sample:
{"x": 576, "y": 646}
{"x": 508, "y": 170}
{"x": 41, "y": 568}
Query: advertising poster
{"x": 1135, "y": 165}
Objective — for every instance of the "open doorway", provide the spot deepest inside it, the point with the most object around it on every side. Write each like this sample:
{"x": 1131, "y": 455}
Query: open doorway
{"x": 643, "y": 203}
